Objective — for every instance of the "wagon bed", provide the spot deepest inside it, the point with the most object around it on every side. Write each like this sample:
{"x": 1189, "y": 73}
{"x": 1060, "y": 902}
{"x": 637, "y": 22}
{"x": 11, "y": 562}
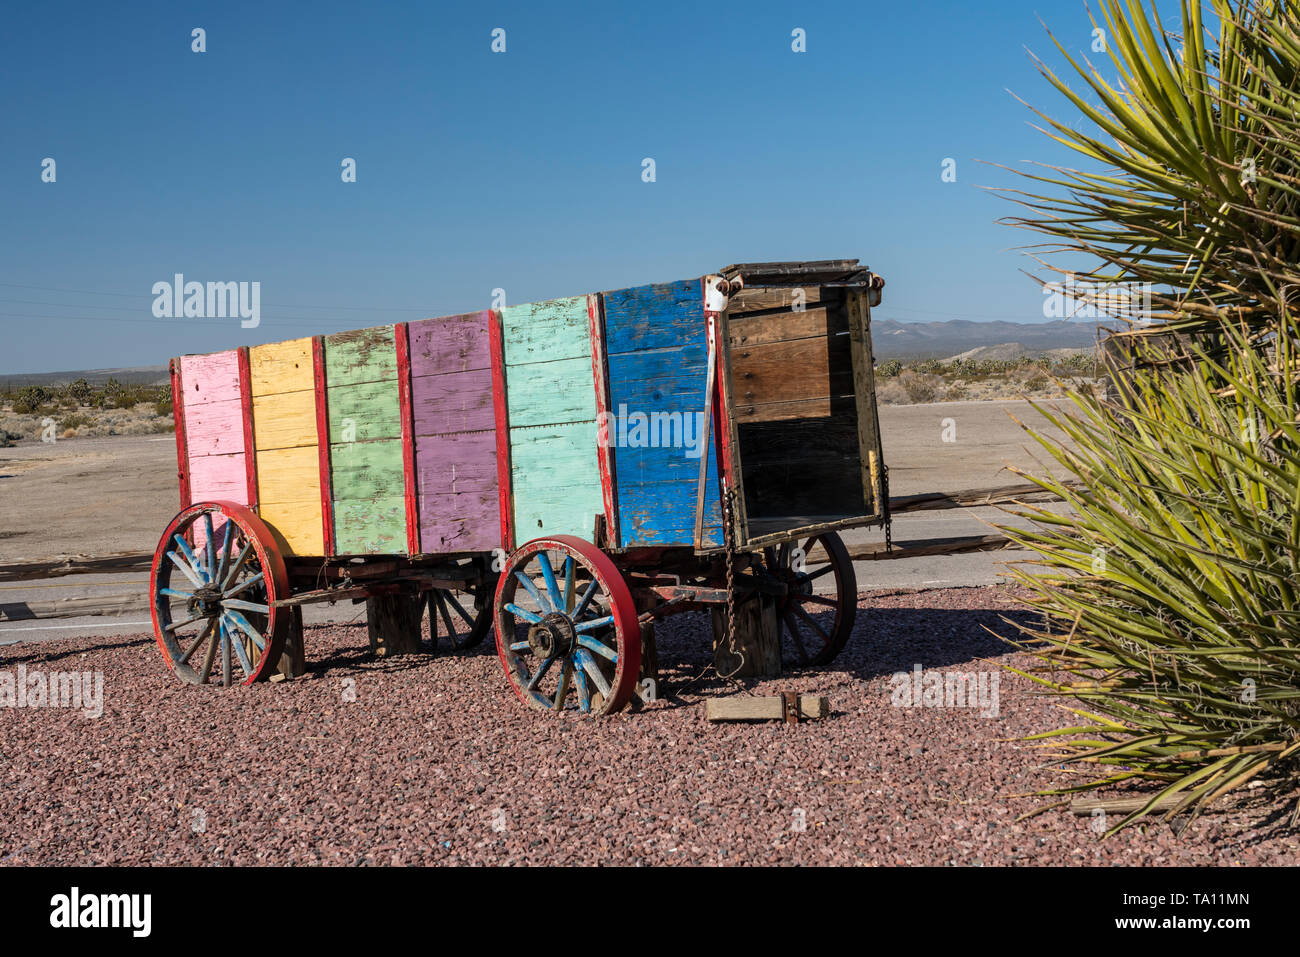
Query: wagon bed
{"x": 693, "y": 429}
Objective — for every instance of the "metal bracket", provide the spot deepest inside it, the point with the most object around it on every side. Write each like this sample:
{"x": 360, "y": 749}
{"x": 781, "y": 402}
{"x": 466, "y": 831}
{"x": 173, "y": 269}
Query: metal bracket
{"x": 790, "y": 706}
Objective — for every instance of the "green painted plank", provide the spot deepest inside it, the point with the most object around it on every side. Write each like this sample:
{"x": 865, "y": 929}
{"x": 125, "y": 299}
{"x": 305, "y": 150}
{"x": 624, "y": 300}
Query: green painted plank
{"x": 546, "y": 331}
{"x": 366, "y": 411}
{"x": 366, "y": 355}
{"x": 371, "y": 527}
{"x": 551, "y": 392}
{"x": 556, "y": 480}
{"x": 367, "y": 471}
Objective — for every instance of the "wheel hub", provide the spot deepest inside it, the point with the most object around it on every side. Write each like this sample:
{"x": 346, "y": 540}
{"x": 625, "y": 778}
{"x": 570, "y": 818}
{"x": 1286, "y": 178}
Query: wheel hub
{"x": 552, "y": 637}
{"x": 206, "y": 601}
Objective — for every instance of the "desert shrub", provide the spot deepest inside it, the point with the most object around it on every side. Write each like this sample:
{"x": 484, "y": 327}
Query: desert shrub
{"x": 889, "y": 368}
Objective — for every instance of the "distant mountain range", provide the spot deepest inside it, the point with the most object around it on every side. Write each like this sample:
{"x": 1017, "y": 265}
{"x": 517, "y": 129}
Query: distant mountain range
{"x": 891, "y": 339}
{"x": 140, "y": 375}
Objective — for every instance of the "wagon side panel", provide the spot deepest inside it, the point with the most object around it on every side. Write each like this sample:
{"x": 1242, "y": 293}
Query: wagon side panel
{"x": 285, "y": 440}
{"x": 214, "y": 431}
{"x": 455, "y": 434}
{"x": 551, "y": 406}
{"x": 656, "y": 338}
{"x": 367, "y": 476}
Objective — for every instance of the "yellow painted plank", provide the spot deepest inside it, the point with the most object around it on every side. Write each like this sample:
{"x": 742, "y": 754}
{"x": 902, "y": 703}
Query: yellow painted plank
{"x": 280, "y": 367}
{"x": 289, "y": 475}
{"x": 284, "y": 421}
{"x": 296, "y": 526}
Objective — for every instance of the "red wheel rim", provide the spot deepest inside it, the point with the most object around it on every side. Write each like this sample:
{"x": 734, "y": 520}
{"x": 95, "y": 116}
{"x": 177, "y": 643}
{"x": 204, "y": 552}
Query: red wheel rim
{"x": 568, "y": 636}
{"x": 216, "y": 602}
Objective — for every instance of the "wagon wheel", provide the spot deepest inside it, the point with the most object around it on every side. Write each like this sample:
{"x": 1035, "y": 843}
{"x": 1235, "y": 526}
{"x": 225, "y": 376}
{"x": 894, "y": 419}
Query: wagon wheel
{"x": 216, "y": 575}
{"x": 567, "y": 629}
{"x": 814, "y": 628}
{"x": 461, "y": 617}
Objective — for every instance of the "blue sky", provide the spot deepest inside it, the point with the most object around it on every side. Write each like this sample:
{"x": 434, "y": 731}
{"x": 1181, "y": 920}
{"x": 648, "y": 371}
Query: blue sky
{"x": 478, "y": 170}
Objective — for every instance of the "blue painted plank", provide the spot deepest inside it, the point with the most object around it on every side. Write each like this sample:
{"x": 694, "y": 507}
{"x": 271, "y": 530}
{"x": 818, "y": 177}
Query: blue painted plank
{"x": 656, "y": 342}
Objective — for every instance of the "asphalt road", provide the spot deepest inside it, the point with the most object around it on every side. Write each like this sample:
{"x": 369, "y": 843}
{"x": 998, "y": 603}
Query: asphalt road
{"x": 96, "y": 496}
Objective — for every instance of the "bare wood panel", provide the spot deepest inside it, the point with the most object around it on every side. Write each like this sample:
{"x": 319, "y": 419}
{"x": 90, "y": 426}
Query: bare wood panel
{"x": 782, "y": 326}
{"x": 783, "y": 371}
{"x": 757, "y": 298}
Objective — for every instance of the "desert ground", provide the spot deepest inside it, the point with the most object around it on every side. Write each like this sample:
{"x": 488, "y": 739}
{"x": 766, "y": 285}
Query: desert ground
{"x": 429, "y": 759}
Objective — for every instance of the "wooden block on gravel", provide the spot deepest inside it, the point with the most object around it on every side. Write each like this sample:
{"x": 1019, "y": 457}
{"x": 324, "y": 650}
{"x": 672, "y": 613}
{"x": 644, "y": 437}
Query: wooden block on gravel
{"x": 767, "y": 708}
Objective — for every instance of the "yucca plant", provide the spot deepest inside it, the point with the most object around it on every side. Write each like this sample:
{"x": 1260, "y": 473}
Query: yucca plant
{"x": 1169, "y": 588}
{"x": 1191, "y": 182}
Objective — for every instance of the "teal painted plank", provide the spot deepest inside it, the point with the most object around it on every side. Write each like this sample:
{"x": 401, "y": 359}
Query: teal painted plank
{"x": 556, "y": 480}
{"x": 551, "y": 392}
{"x": 546, "y": 331}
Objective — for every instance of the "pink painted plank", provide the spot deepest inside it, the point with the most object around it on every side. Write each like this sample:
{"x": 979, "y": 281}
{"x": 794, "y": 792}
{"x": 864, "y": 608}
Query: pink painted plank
{"x": 211, "y": 378}
{"x": 454, "y": 402}
{"x": 456, "y": 481}
{"x": 214, "y": 428}
{"x": 219, "y": 477}
{"x": 450, "y": 344}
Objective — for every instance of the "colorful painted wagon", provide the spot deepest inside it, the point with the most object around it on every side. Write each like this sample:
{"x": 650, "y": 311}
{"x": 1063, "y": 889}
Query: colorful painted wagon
{"x": 568, "y": 471}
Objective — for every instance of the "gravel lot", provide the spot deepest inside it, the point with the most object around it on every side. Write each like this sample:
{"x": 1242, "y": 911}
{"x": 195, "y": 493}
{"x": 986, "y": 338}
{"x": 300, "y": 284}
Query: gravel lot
{"x": 434, "y": 762}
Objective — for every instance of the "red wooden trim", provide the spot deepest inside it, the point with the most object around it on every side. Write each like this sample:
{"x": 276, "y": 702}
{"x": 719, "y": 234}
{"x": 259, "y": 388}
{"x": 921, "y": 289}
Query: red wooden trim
{"x": 246, "y": 402}
{"x": 323, "y": 442}
{"x": 400, "y": 332}
{"x": 604, "y": 448}
{"x": 505, "y": 493}
{"x": 182, "y": 448}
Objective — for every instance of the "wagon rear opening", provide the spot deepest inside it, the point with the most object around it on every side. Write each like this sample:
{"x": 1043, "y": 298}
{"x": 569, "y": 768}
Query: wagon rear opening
{"x": 802, "y": 395}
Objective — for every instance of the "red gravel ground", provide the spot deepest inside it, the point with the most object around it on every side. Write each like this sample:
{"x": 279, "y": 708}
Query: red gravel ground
{"x": 435, "y": 762}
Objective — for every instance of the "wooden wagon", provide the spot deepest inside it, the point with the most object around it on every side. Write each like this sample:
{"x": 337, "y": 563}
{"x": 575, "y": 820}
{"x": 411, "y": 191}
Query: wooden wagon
{"x": 568, "y": 471}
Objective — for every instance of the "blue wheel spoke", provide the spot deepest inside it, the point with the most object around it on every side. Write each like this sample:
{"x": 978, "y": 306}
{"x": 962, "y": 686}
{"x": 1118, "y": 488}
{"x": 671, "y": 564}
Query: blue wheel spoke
{"x": 175, "y": 594}
{"x": 520, "y": 646}
{"x": 584, "y": 693}
{"x": 595, "y": 623}
{"x": 204, "y": 638}
{"x": 528, "y": 616}
{"x": 589, "y": 665}
{"x": 246, "y": 606}
{"x": 185, "y": 569}
{"x": 600, "y": 648}
{"x": 552, "y": 589}
{"x": 244, "y": 586}
{"x": 225, "y": 550}
{"x": 189, "y": 554}
{"x": 568, "y": 582}
{"x": 235, "y": 618}
{"x": 234, "y": 569}
{"x": 585, "y": 600}
{"x": 239, "y": 652}
{"x": 544, "y": 667}
{"x": 527, "y": 582}
{"x": 209, "y": 547}
{"x": 562, "y": 692}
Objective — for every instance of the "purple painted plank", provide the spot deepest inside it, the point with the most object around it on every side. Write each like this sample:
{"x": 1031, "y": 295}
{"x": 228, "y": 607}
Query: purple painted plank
{"x": 450, "y": 344}
{"x": 454, "y": 402}
{"x": 456, "y": 481}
